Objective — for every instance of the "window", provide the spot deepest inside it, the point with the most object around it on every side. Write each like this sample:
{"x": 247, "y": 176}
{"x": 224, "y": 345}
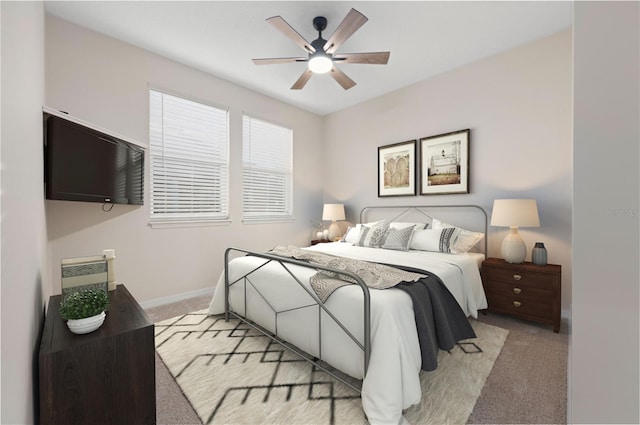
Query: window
{"x": 189, "y": 160}
{"x": 267, "y": 169}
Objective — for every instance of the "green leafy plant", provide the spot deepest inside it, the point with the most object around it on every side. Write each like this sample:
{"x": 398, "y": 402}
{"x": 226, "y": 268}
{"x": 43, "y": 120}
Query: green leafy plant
{"x": 85, "y": 303}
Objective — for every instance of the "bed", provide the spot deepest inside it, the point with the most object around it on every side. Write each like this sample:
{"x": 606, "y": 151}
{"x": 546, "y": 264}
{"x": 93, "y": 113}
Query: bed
{"x": 368, "y": 338}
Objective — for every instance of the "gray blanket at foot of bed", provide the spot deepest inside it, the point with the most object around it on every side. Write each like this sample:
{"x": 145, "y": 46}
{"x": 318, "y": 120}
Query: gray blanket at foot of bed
{"x": 440, "y": 321}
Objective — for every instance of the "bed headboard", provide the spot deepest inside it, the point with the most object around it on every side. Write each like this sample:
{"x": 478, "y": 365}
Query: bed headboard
{"x": 470, "y": 217}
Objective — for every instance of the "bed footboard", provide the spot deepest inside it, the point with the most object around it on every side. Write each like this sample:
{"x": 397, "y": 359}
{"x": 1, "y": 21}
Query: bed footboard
{"x": 286, "y": 264}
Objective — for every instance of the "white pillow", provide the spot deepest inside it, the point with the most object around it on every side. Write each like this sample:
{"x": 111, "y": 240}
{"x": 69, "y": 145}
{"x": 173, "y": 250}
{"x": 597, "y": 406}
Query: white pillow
{"x": 402, "y": 225}
{"x": 463, "y": 240}
{"x": 436, "y": 240}
{"x": 353, "y": 233}
{"x": 437, "y": 224}
{"x": 426, "y": 240}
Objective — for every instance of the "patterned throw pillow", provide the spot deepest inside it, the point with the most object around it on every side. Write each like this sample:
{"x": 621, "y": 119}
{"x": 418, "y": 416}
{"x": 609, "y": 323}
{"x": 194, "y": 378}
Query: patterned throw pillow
{"x": 463, "y": 240}
{"x": 447, "y": 238}
{"x": 372, "y": 236}
{"x": 398, "y": 239}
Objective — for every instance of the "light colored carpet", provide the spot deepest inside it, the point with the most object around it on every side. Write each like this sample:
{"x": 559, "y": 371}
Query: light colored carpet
{"x": 233, "y": 375}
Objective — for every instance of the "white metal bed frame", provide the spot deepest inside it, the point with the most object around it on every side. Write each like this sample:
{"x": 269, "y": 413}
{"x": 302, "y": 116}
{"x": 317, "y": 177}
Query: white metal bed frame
{"x": 286, "y": 263}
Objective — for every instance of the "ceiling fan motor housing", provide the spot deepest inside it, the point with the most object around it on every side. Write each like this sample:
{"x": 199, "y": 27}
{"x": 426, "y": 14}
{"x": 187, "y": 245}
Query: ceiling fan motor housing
{"x": 320, "y": 23}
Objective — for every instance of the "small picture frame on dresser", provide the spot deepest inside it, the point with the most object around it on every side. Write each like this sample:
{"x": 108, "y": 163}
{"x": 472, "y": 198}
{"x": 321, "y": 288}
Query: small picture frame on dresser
{"x": 82, "y": 273}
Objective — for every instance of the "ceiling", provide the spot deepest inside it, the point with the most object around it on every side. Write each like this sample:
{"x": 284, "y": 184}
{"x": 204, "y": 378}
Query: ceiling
{"x": 425, "y": 38}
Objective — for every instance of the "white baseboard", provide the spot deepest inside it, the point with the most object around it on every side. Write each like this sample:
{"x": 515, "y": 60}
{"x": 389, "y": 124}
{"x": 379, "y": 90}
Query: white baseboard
{"x": 175, "y": 298}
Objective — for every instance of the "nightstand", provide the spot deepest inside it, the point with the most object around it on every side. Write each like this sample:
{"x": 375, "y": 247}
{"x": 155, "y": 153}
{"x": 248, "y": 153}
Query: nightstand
{"x": 528, "y": 291}
{"x": 317, "y": 241}
{"x": 104, "y": 377}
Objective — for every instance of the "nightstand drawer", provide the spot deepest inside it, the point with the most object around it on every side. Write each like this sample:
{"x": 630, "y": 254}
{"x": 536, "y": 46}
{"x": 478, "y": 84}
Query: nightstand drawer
{"x": 522, "y": 278}
{"x": 525, "y": 308}
{"x": 521, "y": 291}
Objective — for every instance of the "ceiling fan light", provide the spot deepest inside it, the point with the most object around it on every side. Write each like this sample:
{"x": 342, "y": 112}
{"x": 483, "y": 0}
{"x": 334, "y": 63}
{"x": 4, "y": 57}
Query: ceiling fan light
{"x": 320, "y": 64}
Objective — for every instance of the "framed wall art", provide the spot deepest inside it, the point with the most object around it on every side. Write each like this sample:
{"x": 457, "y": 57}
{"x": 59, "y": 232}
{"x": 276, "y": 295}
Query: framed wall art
{"x": 444, "y": 163}
{"x": 397, "y": 169}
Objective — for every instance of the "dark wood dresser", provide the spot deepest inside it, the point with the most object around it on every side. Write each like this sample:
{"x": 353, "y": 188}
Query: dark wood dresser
{"x": 104, "y": 377}
{"x": 528, "y": 291}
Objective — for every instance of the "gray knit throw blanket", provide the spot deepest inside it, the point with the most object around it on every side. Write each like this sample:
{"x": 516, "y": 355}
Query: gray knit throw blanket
{"x": 374, "y": 275}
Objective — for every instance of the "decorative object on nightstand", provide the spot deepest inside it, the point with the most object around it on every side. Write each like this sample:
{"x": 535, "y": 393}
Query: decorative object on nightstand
{"x": 317, "y": 229}
{"x": 333, "y": 212}
{"x": 539, "y": 254}
{"x": 81, "y": 273}
{"x": 527, "y": 291}
{"x": 514, "y": 213}
{"x": 84, "y": 310}
{"x": 110, "y": 256}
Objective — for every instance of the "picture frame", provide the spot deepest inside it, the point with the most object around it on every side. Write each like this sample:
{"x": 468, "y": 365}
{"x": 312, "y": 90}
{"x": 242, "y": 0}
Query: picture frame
{"x": 82, "y": 273}
{"x": 397, "y": 169}
{"x": 444, "y": 163}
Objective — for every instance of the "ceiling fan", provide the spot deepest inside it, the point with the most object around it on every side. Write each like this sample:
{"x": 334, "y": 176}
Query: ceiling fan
{"x": 321, "y": 53}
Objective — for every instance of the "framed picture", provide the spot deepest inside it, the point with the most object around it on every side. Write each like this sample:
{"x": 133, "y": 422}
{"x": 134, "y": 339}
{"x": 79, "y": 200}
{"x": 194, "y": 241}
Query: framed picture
{"x": 82, "y": 273}
{"x": 397, "y": 169}
{"x": 444, "y": 163}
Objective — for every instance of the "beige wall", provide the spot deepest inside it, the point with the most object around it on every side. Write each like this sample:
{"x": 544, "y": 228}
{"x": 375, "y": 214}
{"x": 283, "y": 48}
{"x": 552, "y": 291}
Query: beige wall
{"x": 604, "y": 366}
{"x": 24, "y": 239}
{"x": 518, "y": 107}
{"x": 105, "y": 82}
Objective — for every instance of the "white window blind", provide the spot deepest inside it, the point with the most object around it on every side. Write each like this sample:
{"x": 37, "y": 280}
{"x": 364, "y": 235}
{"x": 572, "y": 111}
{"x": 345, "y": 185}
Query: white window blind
{"x": 189, "y": 160}
{"x": 267, "y": 170}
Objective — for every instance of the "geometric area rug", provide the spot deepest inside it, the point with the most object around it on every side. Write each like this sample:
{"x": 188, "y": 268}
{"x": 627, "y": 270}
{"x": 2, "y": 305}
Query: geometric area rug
{"x": 232, "y": 374}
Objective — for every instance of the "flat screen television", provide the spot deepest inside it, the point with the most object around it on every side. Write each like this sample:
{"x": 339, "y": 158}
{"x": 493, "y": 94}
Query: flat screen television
{"x": 82, "y": 164}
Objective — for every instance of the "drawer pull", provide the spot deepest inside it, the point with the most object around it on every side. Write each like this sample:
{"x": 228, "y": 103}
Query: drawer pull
{"x": 517, "y": 276}
{"x": 517, "y": 290}
{"x": 517, "y": 304}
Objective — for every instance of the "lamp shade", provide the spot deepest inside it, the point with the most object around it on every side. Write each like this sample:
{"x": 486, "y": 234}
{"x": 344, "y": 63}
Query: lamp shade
{"x": 333, "y": 212}
{"x": 515, "y": 213}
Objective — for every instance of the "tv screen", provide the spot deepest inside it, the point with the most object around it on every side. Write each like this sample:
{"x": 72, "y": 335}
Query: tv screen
{"x": 83, "y": 164}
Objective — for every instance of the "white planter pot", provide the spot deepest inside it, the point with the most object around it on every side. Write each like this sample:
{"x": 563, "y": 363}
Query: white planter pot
{"x": 86, "y": 325}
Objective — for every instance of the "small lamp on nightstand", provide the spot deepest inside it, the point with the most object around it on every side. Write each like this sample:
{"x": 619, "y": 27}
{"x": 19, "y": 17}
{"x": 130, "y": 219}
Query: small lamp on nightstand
{"x": 514, "y": 213}
{"x": 333, "y": 212}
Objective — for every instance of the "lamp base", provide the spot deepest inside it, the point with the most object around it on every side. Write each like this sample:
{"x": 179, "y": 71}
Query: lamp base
{"x": 514, "y": 249}
{"x": 334, "y": 231}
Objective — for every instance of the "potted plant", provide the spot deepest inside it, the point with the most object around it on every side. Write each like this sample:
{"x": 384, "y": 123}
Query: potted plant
{"x": 85, "y": 310}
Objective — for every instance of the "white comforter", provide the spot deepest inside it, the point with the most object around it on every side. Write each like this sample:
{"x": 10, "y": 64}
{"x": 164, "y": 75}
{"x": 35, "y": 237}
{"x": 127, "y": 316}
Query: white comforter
{"x": 392, "y": 382}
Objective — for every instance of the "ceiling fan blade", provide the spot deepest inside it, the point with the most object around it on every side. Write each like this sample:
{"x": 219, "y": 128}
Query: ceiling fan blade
{"x": 286, "y": 29}
{"x": 347, "y": 27}
{"x": 302, "y": 80}
{"x": 342, "y": 78}
{"x": 271, "y": 61}
{"x": 376, "y": 58}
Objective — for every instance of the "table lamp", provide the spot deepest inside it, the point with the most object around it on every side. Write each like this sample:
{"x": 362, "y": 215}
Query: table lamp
{"x": 333, "y": 212}
{"x": 514, "y": 213}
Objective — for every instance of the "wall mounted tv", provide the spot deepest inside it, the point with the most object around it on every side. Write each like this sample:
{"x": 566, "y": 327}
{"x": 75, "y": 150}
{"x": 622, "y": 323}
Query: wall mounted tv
{"x": 83, "y": 164}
